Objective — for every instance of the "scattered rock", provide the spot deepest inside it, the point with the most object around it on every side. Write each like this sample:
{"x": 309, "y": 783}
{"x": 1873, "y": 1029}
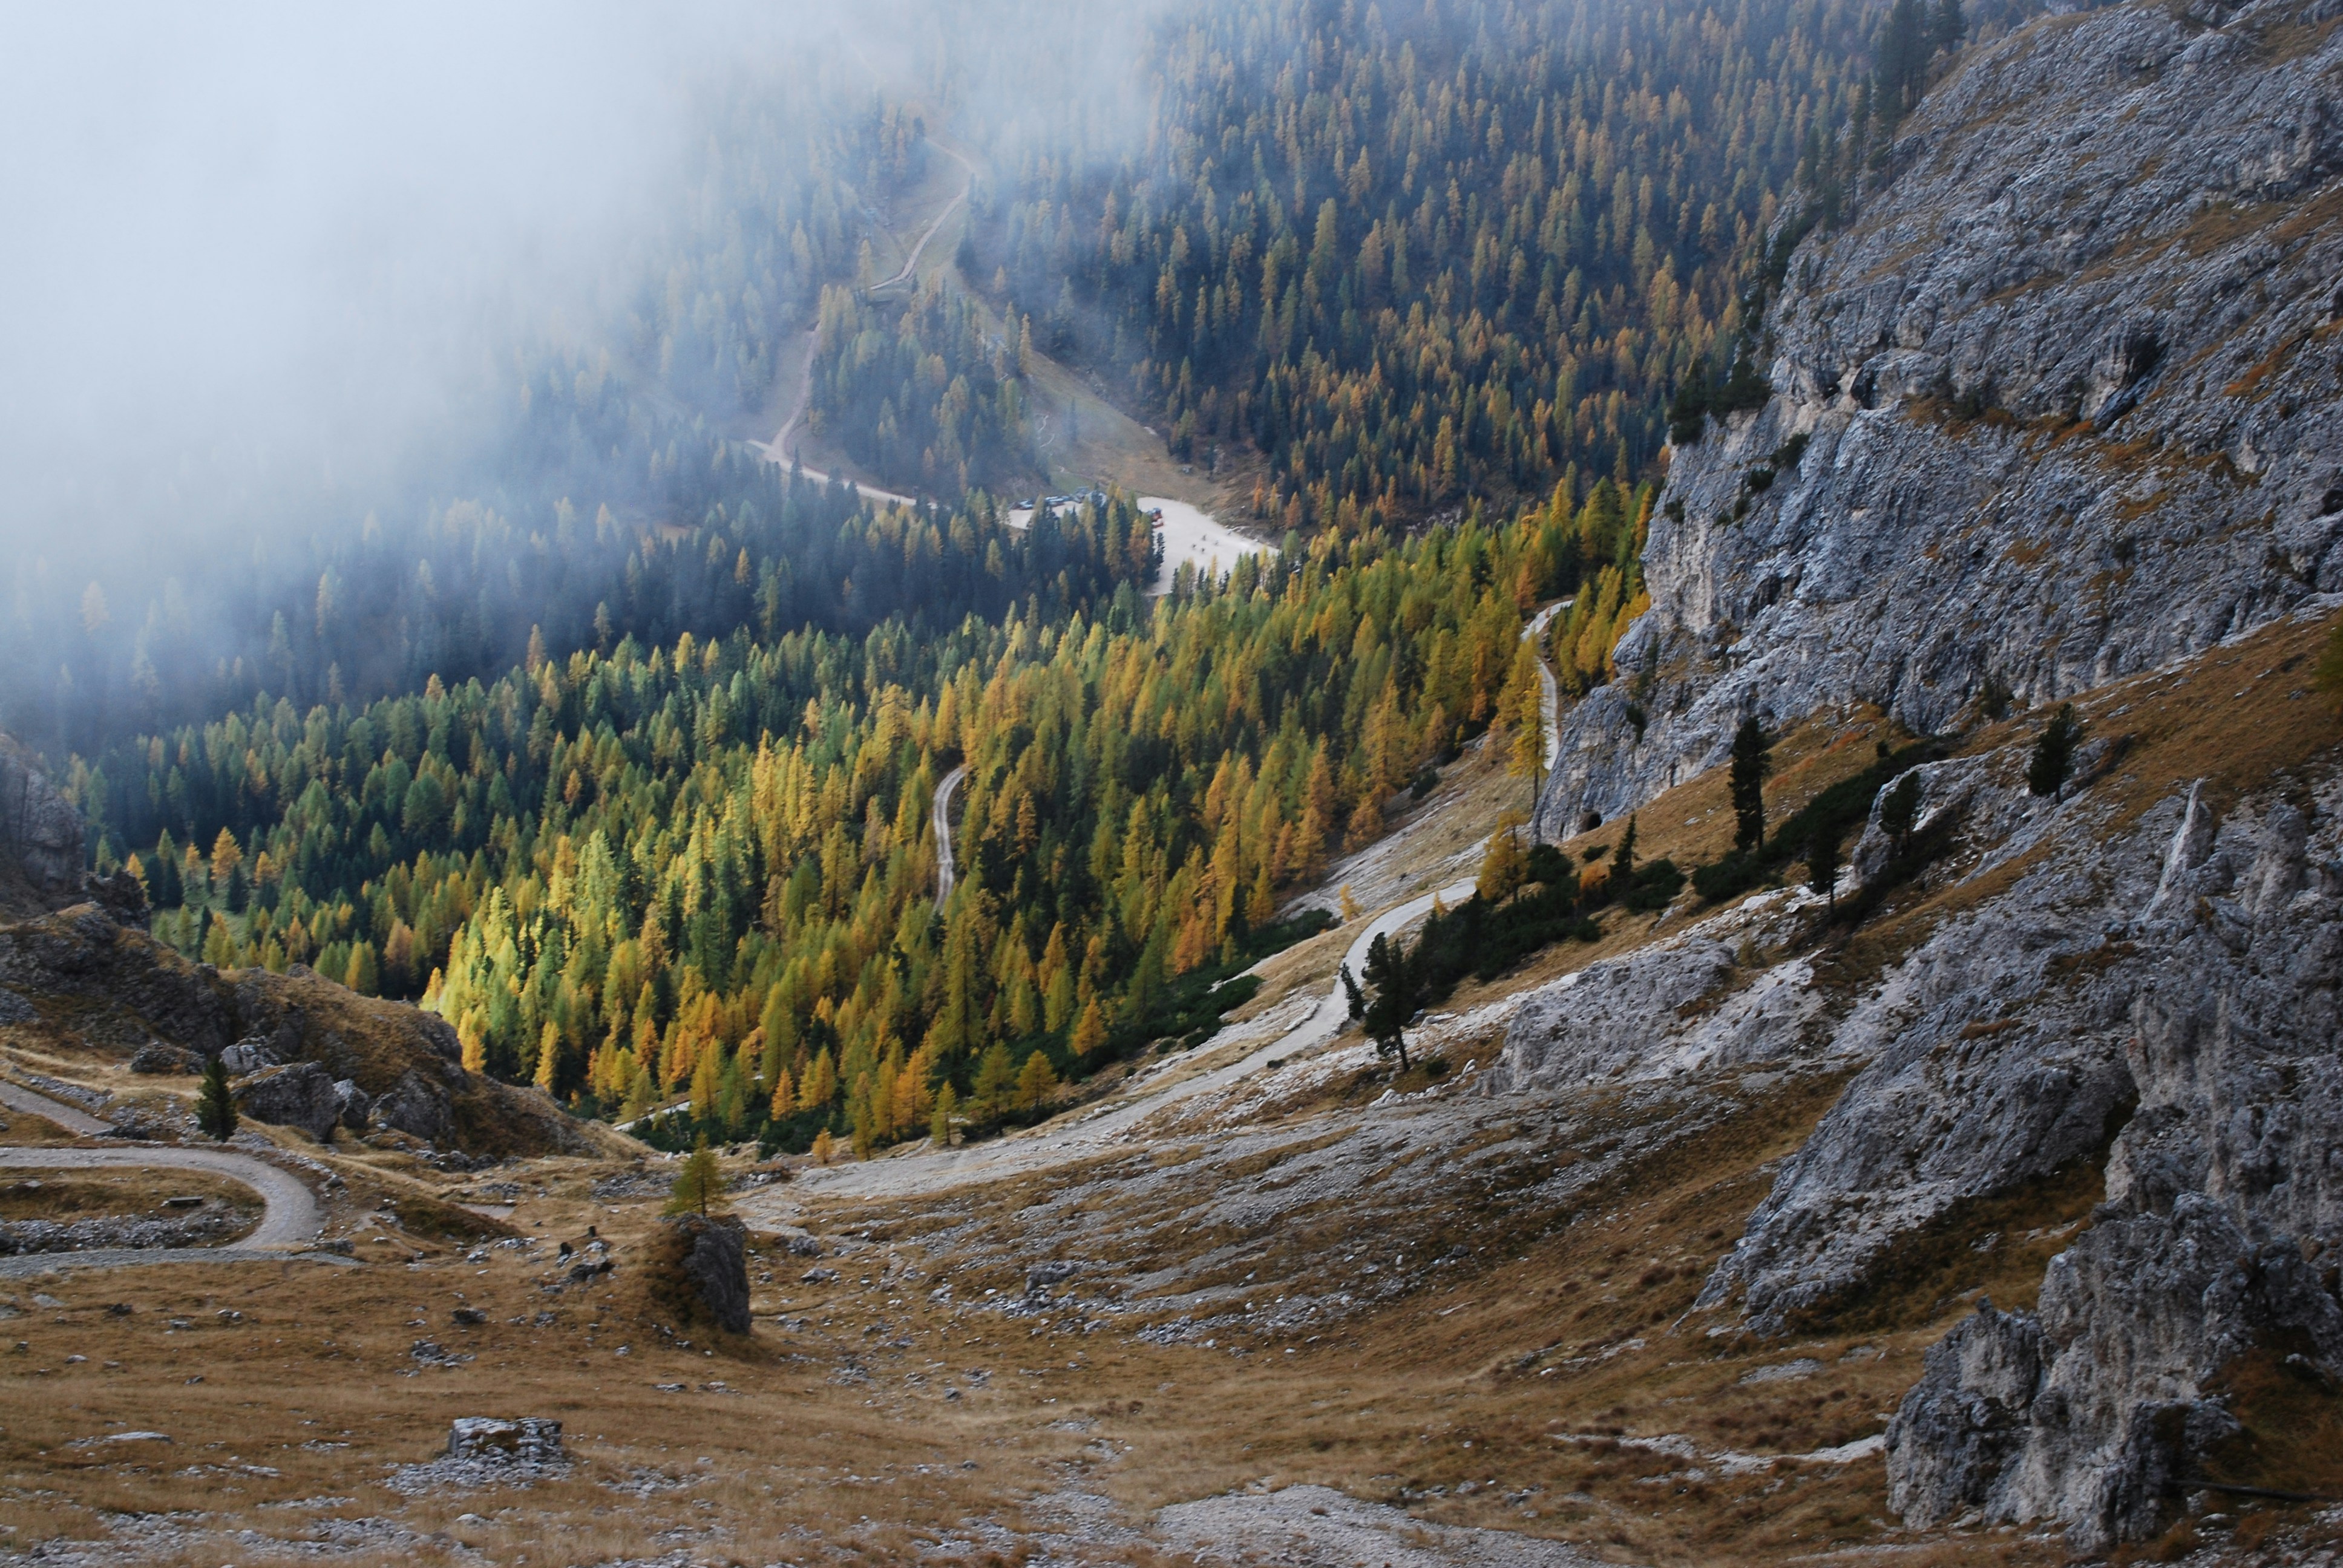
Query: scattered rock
{"x": 530, "y": 1439}
{"x": 470, "y": 1317}
{"x": 1040, "y": 1277}
{"x": 250, "y": 1055}
{"x": 355, "y": 1101}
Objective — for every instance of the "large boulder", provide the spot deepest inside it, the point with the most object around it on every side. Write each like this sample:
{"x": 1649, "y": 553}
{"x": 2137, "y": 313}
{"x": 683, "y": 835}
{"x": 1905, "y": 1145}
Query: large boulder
{"x": 700, "y": 1270}
{"x": 168, "y": 1060}
{"x": 301, "y": 1095}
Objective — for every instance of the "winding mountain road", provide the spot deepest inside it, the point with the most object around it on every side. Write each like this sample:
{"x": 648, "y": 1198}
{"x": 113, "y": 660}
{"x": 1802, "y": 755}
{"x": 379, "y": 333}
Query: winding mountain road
{"x": 941, "y": 812}
{"x": 942, "y": 218}
{"x": 779, "y": 449}
{"x": 288, "y": 1225}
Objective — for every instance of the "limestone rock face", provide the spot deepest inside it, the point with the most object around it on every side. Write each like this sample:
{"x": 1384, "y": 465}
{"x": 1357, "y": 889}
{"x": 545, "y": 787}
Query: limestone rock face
{"x": 1952, "y": 1438}
{"x": 2061, "y": 403}
{"x": 2068, "y": 398}
{"x": 299, "y": 1095}
{"x": 1647, "y": 1014}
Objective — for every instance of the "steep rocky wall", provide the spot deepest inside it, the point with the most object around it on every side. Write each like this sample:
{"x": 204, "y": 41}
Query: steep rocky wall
{"x": 2224, "y": 1191}
{"x": 2071, "y": 389}
{"x": 2063, "y": 404}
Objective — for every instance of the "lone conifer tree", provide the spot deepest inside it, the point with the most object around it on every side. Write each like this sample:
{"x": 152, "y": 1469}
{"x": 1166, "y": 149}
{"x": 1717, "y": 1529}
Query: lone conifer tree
{"x": 1753, "y": 759}
{"x": 215, "y": 1106}
{"x": 1623, "y": 858}
{"x": 1393, "y": 978}
{"x": 2053, "y": 761}
{"x": 699, "y": 1184}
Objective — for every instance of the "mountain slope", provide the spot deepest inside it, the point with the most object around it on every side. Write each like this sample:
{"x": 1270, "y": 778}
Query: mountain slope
{"x": 2060, "y": 405}
{"x": 2056, "y": 413}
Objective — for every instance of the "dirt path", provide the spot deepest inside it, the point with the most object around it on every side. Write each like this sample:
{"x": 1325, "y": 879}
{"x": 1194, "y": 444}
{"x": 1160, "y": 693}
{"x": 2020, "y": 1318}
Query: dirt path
{"x": 950, "y": 207}
{"x": 288, "y": 1226}
{"x": 780, "y": 452}
{"x": 1549, "y": 699}
{"x": 942, "y": 811}
{"x": 1086, "y": 1134}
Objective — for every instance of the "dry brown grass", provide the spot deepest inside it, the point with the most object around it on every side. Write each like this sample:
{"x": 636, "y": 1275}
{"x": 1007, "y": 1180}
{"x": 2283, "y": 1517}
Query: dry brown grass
{"x": 74, "y": 1195}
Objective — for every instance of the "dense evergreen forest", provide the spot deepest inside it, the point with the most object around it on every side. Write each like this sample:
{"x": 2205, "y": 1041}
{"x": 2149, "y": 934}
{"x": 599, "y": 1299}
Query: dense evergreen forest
{"x": 707, "y": 865}
{"x": 1468, "y": 252}
{"x": 622, "y": 758}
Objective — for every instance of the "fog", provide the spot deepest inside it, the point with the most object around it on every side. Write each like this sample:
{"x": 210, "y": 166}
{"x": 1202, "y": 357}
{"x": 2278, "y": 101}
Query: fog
{"x": 254, "y": 255}
{"x": 256, "y": 249}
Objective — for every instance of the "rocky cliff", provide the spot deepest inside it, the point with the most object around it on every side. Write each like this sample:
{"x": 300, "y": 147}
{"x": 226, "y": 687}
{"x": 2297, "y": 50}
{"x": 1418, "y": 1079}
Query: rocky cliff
{"x": 2063, "y": 405}
{"x": 2060, "y": 404}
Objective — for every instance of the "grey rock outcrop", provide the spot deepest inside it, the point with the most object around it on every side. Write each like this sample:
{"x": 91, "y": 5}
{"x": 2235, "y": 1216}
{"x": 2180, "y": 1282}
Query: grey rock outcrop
{"x": 2063, "y": 404}
{"x": 1675, "y": 1007}
{"x": 2178, "y": 983}
{"x": 301, "y": 1094}
{"x": 250, "y": 1055}
{"x": 2069, "y": 405}
{"x": 128, "y": 989}
{"x": 414, "y": 1106}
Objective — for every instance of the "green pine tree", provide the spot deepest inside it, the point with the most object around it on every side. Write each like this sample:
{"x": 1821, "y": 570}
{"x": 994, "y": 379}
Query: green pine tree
{"x": 1823, "y": 863}
{"x": 215, "y": 1104}
{"x": 1623, "y": 858}
{"x": 699, "y": 1185}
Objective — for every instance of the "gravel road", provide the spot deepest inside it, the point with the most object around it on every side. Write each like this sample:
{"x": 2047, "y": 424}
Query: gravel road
{"x": 942, "y": 812}
{"x": 288, "y": 1226}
